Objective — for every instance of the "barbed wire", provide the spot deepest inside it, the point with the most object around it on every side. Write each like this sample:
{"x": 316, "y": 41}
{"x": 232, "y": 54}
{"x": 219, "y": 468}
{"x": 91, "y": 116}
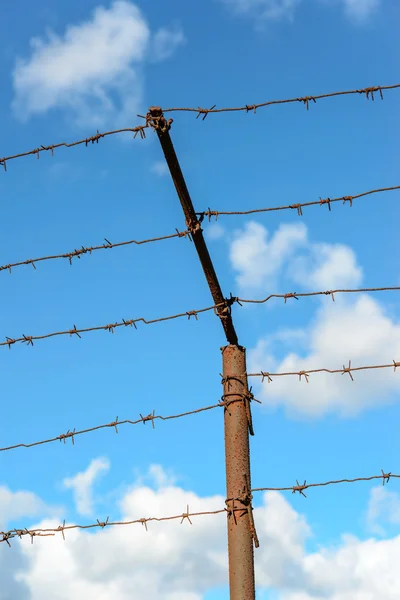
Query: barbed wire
{"x": 368, "y": 91}
{"x": 306, "y": 373}
{"x": 89, "y": 249}
{"x": 301, "y": 487}
{"x": 226, "y": 307}
{"x": 6, "y": 536}
{"x": 298, "y": 206}
{"x": 331, "y": 293}
{"x": 115, "y": 424}
{"x": 29, "y": 339}
{"x": 140, "y": 129}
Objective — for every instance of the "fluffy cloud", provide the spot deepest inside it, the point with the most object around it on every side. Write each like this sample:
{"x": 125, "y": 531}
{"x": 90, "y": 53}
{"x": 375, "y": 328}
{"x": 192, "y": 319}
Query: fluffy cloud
{"x": 82, "y": 484}
{"x": 360, "y": 10}
{"x": 270, "y": 10}
{"x": 326, "y": 266}
{"x": 359, "y": 330}
{"x": 160, "y": 168}
{"x": 94, "y": 70}
{"x": 259, "y": 258}
{"x": 165, "y": 42}
{"x": 214, "y": 231}
{"x": 383, "y": 507}
{"x": 14, "y": 505}
{"x": 171, "y": 561}
{"x": 176, "y": 561}
{"x": 264, "y": 9}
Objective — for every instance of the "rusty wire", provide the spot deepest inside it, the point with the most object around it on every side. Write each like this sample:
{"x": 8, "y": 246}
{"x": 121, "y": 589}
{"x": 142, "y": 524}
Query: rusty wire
{"x": 6, "y": 536}
{"x": 368, "y": 91}
{"x": 92, "y": 139}
{"x": 298, "y": 206}
{"x": 89, "y": 249}
{"x": 226, "y": 307}
{"x": 306, "y": 373}
{"x": 331, "y": 293}
{"x": 29, "y": 339}
{"x": 143, "y": 419}
{"x": 385, "y": 477}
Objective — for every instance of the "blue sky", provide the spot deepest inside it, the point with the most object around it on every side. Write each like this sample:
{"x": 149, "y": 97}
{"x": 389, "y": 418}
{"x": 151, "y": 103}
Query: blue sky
{"x": 69, "y": 69}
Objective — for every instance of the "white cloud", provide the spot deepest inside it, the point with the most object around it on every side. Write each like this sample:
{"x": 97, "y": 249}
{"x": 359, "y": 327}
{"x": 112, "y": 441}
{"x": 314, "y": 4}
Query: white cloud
{"x": 160, "y": 168}
{"x": 264, "y": 9}
{"x": 166, "y": 41}
{"x": 82, "y": 485}
{"x": 359, "y": 10}
{"x": 14, "y": 505}
{"x": 182, "y": 562}
{"x": 214, "y": 231}
{"x": 359, "y": 330}
{"x": 94, "y": 71}
{"x": 327, "y": 266}
{"x": 171, "y": 561}
{"x": 259, "y": 258}
{"x": 383, "y": 507}
{"x": 274, "y": 10}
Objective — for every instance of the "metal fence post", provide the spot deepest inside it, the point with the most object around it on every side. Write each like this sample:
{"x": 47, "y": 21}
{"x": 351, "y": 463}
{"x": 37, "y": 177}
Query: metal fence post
{"x": 237, "y": 422}
{"x": 241, "y": 530}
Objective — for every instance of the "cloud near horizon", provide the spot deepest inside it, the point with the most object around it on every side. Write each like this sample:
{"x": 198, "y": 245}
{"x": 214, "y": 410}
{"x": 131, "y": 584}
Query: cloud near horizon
{"x": 98, "y": 563}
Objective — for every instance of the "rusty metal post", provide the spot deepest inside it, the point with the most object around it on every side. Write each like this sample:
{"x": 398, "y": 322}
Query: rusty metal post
{"x": 241, "y": 530}
{"x": 156, "y": 119}
{"x": 237, "y": 421}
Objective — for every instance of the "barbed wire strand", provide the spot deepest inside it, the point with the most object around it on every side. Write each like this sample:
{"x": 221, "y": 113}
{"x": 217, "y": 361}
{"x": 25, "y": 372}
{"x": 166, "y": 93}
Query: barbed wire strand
{"x": 226, "y": 305}
{"x": 298, "y": 206}
{"x": 6, "y": 536}
{"x": 307, "y": 372}
{"x": 368, "y": 91}
{"x": 89, "y": 249}
{"x": 115, "y": 424}
{"x": 29, "y": 339}
{"x": 385, "y": 477}
{"x": 92, "y": 139}
{"x": 331, "y": 293}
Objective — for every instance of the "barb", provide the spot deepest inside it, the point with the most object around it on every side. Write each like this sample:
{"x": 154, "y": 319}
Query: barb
{"x": 298, "y": 207}
{"x": 385, "y": 477}
{"x": 6, "y": 536}
{"x": 115, "y": 424}
{"x": 368, "y": 91}
{"x": 90, "y": 249}
{"x": 306, "y": 373}
{"x": 92, "y": 139}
